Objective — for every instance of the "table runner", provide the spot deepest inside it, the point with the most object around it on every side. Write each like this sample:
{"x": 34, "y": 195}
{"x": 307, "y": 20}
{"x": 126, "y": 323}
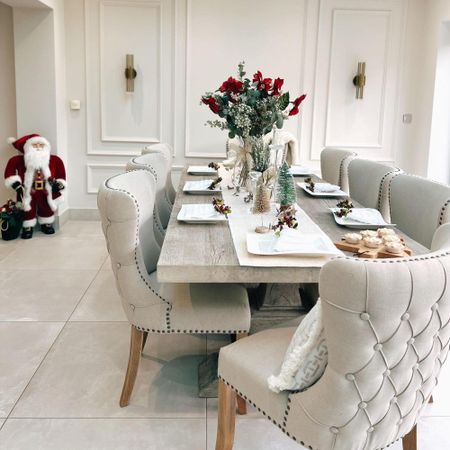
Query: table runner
{"x": 242, "y": 221}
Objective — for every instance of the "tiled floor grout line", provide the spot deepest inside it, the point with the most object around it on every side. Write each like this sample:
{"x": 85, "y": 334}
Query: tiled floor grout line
{"x": 52, "y": 345}
{"x": 85, "y": 291}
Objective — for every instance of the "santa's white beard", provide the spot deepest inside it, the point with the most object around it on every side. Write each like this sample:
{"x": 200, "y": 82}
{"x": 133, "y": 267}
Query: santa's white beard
{"x": 37, "y": 159}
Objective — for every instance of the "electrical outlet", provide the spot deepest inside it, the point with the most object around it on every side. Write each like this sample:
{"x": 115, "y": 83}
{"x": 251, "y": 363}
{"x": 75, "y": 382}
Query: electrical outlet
{"x": 407, "y": 118}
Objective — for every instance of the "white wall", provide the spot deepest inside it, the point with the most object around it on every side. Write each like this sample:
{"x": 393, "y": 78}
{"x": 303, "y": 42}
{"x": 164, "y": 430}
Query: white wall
{"x": 415, "y": 151}
{"x": 439, "y": 156}
{"x": 7, "y": 93}
{"x": 39, "y": 46}
{"x": 201, "y": 43}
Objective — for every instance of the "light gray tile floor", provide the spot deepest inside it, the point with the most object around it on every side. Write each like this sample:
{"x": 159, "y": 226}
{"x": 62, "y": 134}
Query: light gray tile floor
{"x": 64, "y": 346}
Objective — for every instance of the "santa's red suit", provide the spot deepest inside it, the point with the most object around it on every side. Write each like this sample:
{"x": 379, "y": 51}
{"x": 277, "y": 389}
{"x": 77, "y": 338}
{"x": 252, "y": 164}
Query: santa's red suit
{"x": 38, "y": 176}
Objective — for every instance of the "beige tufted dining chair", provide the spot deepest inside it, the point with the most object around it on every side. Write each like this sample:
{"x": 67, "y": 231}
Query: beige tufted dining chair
{"x": 386, "y": 325}
{"x": 334, "y": 164}
{"x": 126, "y": 204}
{"x": 156, "y": 165}
{"x": 418, "y": 206}
{"x": 167, "y": 151}
{"x": 369, "y": 184}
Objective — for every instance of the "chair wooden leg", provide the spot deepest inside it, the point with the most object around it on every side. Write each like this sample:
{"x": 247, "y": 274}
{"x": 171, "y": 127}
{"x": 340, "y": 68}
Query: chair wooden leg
{"x": 410, "y": 440}
{"x": 431, "y": 399}
{"x": 241, "y": 403}
{"x": 227, "y": 417}
{"x": 136, "y": 341}
{"x": 144, "y": 340}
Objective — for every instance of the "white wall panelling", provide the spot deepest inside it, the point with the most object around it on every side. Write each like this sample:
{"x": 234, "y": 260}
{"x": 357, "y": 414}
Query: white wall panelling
{"x": 219, "y": 36}
{"x": 117, "y": 122}
{"x": 97, "y": 173}
{"x": 351, "y": 31}
{"x": 201, "y": 42}
{"x": 130, "y": 27}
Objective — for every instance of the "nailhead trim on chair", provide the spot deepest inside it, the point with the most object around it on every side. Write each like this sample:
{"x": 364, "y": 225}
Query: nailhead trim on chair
{"x": 152, "y": 170}
{"x": 155, "y": 174}
{"x": 389, "y": 191}
{"x": 443, "y": 210}
{"x": 398, "y": 171}
{"x": 169, "y": 308}
{"x": 438, "y": 358}
{"x": 444, "y": 207}
{"x": 341, "y": 166}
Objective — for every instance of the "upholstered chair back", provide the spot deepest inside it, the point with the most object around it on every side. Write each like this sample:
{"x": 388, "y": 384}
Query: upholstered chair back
{"x": 166, "y": 150}
{"x": 387, "y": 329}
{"x": 157, "y": 165}
{"x": 441, "y": 238}
{"x": 369, "y": 184}
{"x": 334, "y": 164}
{"x": 418, "y": 206}
{"x": 126, "y": 204}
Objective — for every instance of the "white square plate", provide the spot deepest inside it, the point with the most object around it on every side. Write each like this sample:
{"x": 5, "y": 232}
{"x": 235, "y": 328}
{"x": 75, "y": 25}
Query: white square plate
{"x": 349, "y": 223}
{"x": 307, "y": 245}
{"x": 200, "y": 187}
{"x": 201, "y": 170}
{"x": 200, "y": 213}
{"x": 300, "y": 171}
{"x": 338, "y": 193}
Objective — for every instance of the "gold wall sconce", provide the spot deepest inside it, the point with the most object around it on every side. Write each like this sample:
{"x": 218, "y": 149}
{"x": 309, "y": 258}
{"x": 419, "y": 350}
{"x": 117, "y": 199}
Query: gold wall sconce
{"x": 130, "y": 73}
{"x": 359, "y": 81}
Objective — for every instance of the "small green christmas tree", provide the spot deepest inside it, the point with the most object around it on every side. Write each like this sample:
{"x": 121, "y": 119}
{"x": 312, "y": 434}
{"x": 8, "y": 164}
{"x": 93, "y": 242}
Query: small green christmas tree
{"x": 286, "y": 194}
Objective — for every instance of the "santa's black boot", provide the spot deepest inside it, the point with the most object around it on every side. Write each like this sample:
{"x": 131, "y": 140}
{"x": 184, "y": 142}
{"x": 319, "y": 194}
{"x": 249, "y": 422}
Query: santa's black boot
{"x": 27, "y": 232}
{"x": 47, "y": 228}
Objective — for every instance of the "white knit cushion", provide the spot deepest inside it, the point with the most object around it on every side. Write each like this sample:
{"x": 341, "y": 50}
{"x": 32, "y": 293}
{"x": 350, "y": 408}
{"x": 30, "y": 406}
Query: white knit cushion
{"x": 306, "y": 357}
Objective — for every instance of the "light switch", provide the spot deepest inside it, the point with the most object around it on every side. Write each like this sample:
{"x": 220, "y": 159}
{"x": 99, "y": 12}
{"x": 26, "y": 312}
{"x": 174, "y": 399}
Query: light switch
{"x": 75, "y": 105}
{"x": 407, "y": 118}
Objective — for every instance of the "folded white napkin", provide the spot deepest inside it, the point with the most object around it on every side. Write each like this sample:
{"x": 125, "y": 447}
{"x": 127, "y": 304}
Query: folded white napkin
{"x": 366, "y": 215}
{"x": 326, "y": 187}
{"x": 289, "y": 241}
{"x": 200, "y": 211}
{"x": 198, "y": 185}
{"x": 300, "y": 170}
{"x": 201, "y": 169}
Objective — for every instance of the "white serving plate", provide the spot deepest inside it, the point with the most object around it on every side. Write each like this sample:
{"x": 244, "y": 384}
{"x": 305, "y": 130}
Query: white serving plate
{"x": 313, "y": 245}
{"x": 190, "y": 214}
{"x": 201, "y": 170}
{"x": 346, "y": 222}
{"x": 192, "y": 187}
{"x": 300, "y": 171}
{"x": 338, "y": 193}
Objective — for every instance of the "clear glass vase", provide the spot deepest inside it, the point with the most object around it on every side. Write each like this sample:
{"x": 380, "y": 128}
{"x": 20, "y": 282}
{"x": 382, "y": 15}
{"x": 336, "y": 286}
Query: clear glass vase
{"x": 251, "y": 149}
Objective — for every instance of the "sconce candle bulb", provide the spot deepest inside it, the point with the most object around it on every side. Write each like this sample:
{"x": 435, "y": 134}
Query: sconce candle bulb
{"x": 130, "y": 73}
{"x": 359, "y": 81}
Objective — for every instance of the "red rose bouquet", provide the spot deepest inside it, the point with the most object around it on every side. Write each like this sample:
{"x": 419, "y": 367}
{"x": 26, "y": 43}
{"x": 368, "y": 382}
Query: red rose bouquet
{"x": 251, "y": 107}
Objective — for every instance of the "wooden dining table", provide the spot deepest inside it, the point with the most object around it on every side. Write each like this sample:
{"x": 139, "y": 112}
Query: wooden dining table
{"x": 205, "y": 253}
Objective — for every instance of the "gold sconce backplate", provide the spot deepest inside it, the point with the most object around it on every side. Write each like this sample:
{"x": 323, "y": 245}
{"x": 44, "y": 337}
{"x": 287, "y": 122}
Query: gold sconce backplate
{"x": 130, "y": 73}
{"x": 359, "y": 81}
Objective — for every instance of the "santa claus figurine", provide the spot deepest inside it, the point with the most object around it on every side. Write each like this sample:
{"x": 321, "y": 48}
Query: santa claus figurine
{"x": 38, "y": 178}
